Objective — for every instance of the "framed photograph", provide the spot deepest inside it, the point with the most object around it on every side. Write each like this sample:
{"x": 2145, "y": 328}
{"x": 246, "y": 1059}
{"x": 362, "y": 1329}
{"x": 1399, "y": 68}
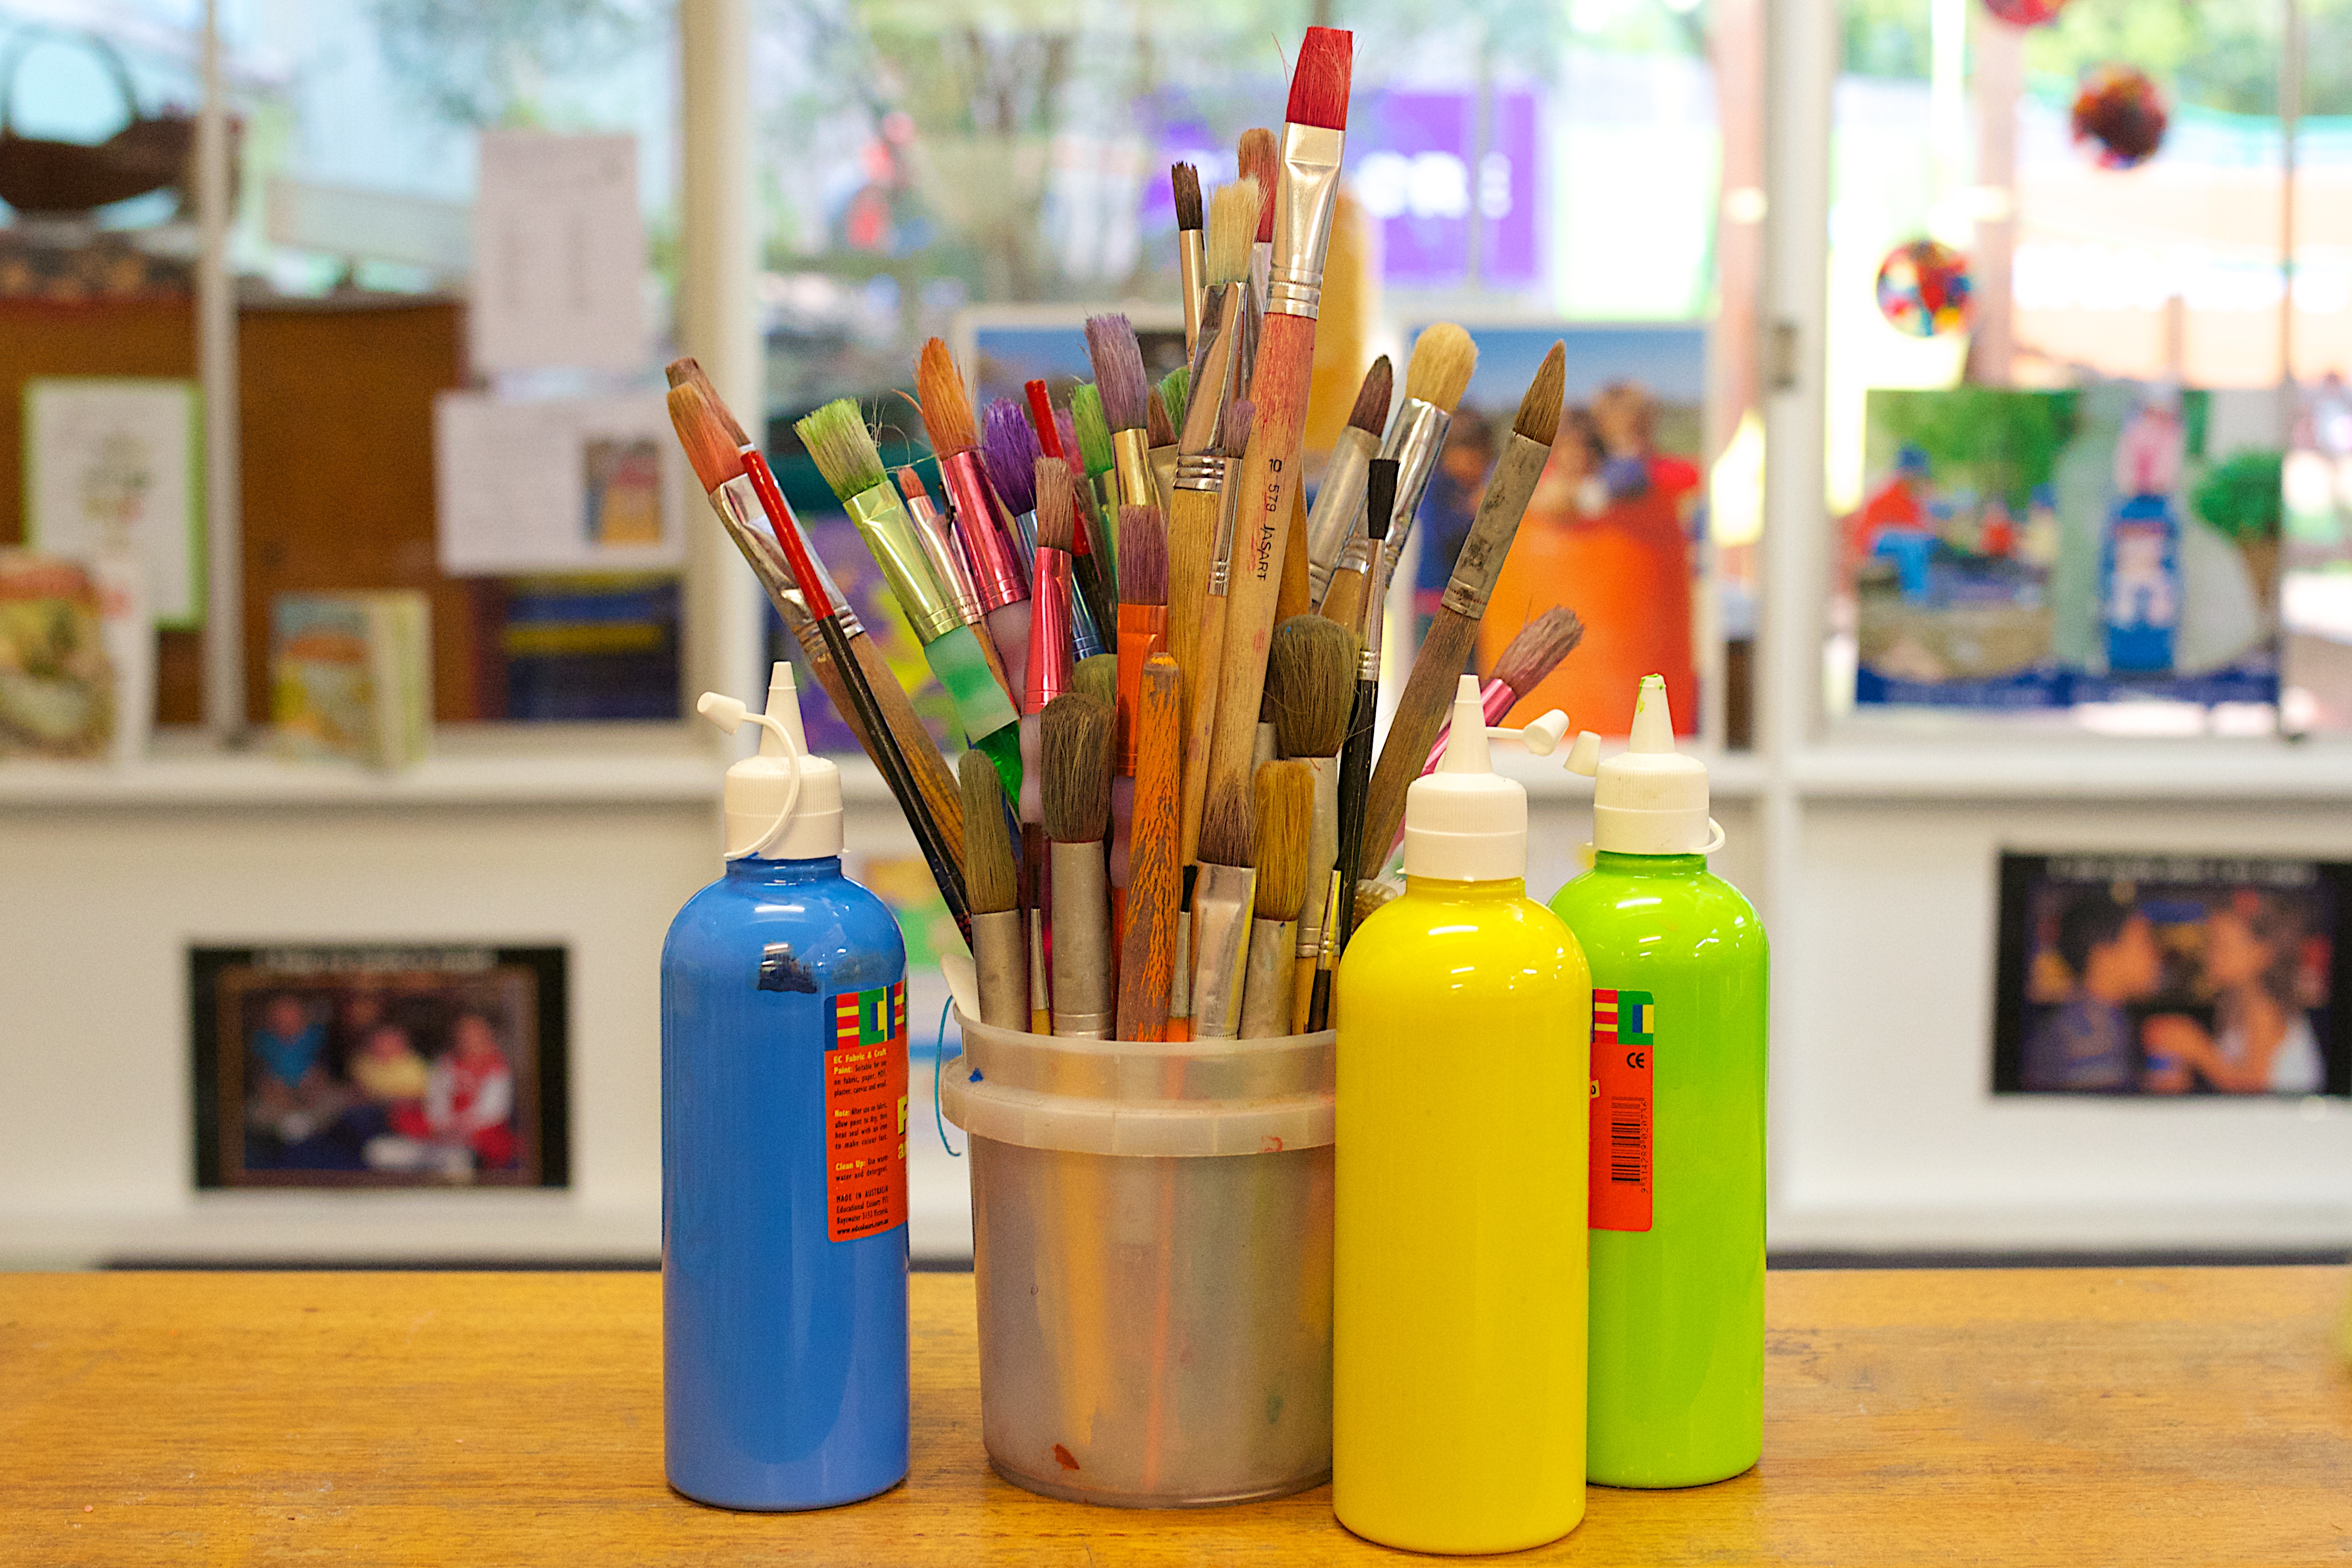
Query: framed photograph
{"x": 379, "y": 1066}
{"x": 2173, "y": 974}
{"x": 116, "y": 462}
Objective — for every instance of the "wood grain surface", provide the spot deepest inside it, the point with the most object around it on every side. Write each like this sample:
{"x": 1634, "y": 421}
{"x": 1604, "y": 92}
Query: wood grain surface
{"x": 2075, "y": 1416}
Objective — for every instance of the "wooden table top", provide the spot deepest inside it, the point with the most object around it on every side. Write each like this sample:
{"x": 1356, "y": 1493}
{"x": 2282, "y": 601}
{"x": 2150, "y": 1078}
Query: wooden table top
{"x": 2078, "y": 1417}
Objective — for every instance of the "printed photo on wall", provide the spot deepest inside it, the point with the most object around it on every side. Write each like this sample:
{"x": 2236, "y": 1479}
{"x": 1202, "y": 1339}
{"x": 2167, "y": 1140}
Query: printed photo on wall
{"x": 379, "y": 1066}
{"x": 2172, "y": 975}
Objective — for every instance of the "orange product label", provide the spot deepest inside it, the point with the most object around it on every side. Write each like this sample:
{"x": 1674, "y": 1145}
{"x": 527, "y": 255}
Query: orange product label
{"x": 1624, "y": 1153}
{"x": 865, "y": 1113}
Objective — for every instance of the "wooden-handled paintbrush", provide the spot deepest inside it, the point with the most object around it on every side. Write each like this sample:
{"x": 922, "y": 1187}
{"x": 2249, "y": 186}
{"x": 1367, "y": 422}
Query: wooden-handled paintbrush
{"x": 1435, "y": 377}
{"x": 1000, "y": 945}
{"x": 1312, "y": 140}
{"x": 709, "y": 448}
{"x": 1356, "y": 756}
{"x": 1142, "y": 633}
{"x": 1148, "y": 955}
{"x": 1126, "y": 393}
{"x": 1338, "y": 509}
{"x": 1286, "y": 811}
{"x": 1191, "y": 267}
{"x": 1429, "y": 691}
{"x": 1077, "y": 756}
{"x": 1310, "y": 682}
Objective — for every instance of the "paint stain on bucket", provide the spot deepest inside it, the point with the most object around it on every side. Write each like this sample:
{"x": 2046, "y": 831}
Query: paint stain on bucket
{"x": 1062, "y": 1458}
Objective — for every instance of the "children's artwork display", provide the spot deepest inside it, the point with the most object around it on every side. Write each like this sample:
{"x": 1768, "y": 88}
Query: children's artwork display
{"x": 115, "y": 465}
{"x": 57, "y": 684}
{"x": 2036, "y": 550}
{"x": 380, "y": 1066}
{"x": 2172, "y": 975}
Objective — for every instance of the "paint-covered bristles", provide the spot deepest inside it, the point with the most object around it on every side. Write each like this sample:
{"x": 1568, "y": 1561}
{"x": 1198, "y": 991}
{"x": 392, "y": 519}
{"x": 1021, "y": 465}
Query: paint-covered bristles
{"x": 1260, "y": 160}
{"x": 946, "y": 406}
{"x": 1371, "y": 410}
{"x": 1539, "y": 648}
{"x": 1009, "y": 451}
{"x": 1077, "y": 754}
{"x": 1093, "y": 426}
{"x": 992, "y": 882}
{"x": 1142, "y": 556}
{"x": 1161, "y": 429}
{"x": 842, "y": 448}
{"x": 1119, "y": 375}
{"x": 1310, "y": 684}
{"x": 716, "y": 459}
{"x": 688, "y": 369}
{"x": 1226, "y": 828}
{"x": 1057, "y": 525}
{"x": 1097, "y": 676}
{"x": 1318, "y": 88}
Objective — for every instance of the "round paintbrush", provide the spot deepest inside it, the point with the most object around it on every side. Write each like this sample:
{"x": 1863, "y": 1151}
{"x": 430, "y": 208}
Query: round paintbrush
{"x": 1097, "y": 677}
{"x": 1000, "y": 948}
{"x": 980, "y": 520}
{"x": 1077, "y": 761}
{"x": 1184, "y": 183}
{"x": 1147, "y": 953}
{"x": 1160, "y": 430}
{"x": 1286, "y": 811}
{"x": 1338, "y": 512}
{"x": 1310, "y": 680}
{"x": 1435, "y": 377}
{"x": 1126, "y": 392}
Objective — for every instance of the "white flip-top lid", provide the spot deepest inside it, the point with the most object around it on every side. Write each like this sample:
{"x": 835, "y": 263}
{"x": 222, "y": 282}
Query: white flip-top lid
{"x": 1465, "y": 822}
{"x": 781, "y": 803}
{"x": 1648, "y": 799}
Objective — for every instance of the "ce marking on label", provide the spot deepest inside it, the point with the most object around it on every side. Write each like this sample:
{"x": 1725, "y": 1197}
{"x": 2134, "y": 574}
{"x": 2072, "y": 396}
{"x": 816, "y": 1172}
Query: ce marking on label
{"x": 1637, "y": 1058}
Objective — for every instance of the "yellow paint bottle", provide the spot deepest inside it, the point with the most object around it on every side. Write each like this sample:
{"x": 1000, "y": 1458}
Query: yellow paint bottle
{"x": 1459, "y": 1281}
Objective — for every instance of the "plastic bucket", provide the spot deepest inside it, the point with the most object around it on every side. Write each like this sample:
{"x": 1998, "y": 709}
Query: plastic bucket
{"x": 1151, "y": 1242}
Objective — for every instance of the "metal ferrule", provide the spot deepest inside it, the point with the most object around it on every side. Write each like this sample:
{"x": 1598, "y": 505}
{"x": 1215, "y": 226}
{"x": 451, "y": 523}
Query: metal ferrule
{"x": 1163, "y": 473}
{"x": 1267, "y": 980}
{"x": 1085, "y": 637}
{"x": 1338, "y": 510}
{"x": 1130, "y": 452}
{"x": 890, "y": 533}
{"x": 1304, "y": 200}
{"x": 995, "y": 574}
{"x": 1192, "y": 274}
{"x": 1000, "y": 955}
{"x": 1202, "y": 432}
{"x": 1049, "y": 633}
{"x": 736, "y": 502}
{"x": 1200, "y": 473}
{"x": 1416, "y": 437}
{"x": 1221, "y": 564}
{"x": 1179, "y": 977}
{"x": 1322, "y": 852}
{"x": 1084, "y": 1008}
{"x": 1221, "y": 896}
{"x": 945, "y": 552}
{"x": 1021, "y": 528}
{"x": 1496, "y": 524}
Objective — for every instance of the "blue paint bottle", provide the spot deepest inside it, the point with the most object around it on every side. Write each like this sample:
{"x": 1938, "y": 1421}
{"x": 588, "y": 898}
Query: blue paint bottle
{"x": 784, "y": 1151}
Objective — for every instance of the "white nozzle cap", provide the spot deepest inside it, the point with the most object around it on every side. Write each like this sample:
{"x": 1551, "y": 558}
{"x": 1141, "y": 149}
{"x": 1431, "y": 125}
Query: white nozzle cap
{"x": 1648, "y": 799}
{"x": 783, "y": 803}
{"x": 1464, "y": 822}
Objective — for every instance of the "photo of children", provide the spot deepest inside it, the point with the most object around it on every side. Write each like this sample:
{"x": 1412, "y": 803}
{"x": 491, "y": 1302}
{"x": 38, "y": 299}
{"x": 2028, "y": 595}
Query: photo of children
{"x": 2163, "y": 975}
{"x": 392, "y": 1066}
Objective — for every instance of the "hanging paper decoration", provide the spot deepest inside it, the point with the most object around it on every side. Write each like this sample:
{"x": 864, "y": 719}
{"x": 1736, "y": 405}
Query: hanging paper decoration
{"x": 2119, "y": 109}
{"x": 2025, "y": 13}
{"x": 1924, "y": 289}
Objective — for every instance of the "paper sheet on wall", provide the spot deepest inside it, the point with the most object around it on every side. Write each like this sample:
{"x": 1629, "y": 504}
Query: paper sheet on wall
{"x": 559, "y": 254}
{"x": 582, "y": 484}
{"x": 114, "y": 461}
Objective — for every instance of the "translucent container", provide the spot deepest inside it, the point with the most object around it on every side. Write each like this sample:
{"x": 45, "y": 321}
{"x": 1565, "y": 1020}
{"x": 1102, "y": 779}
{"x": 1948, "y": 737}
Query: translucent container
{"x": 1151, "y": 1236}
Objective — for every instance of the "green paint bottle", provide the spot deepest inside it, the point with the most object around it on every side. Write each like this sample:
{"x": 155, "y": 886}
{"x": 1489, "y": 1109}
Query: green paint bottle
{"x": 1677, "y": 1123}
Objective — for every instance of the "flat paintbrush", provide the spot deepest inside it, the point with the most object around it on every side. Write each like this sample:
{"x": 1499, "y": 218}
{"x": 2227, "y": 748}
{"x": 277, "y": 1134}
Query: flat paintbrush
{"x": 1429, "y": 691}
{"x": 1161, "y": 430}
{"x": 1313, "y": 142}
{"x": 1285, "y": 810}
{"x": 1093, "y": 522}
{"x": 1009, "y": 450}
{"x": 1142, "y": 633}
{"x": 1310, "y": 682}
{"x": 1096, "y": 454}
{"x": 1000, "y": 945}
{"x": 1147, "y": 954}
{"x": 1258, "y": 158}
{"x": 1192, "y": 275}
{"x": 1356, "y": 756}
{"x": 1077, "y": 753}
{"x": 1225, "y": 894}
{"x": 1126, "y": 393}
{"x": 1338, "y": 509}
{"x": 1098, "y": 678}
{"x": 844, "y": 450}
{"x": 709, "y": 448}
{"x": 980, "y": 519}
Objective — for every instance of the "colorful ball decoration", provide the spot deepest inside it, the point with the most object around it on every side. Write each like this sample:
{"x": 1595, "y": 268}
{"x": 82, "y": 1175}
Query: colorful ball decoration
{"x": 1924, "y": 289}
{"x": 2025, "y": 13}
{"x": 2119, "y": 109}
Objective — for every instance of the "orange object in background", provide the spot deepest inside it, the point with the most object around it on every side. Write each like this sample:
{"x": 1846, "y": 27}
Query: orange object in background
{"x": 1623, "y": 565}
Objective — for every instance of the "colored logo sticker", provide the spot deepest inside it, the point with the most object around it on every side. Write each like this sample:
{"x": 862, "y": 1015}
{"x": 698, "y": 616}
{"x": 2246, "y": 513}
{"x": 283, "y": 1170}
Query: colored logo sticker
{"x": 865, "y": 1113}
{"x": 1623, "y": 1157}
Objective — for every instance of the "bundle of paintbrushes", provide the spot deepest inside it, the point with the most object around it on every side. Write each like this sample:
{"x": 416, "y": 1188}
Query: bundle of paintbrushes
{"x": 1163, "y": 662}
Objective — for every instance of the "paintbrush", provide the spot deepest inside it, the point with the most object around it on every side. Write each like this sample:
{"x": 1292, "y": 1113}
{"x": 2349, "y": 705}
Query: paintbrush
{"x": 980, "y": 522}
{"x": 1313, "y": 142}
{"x": 1225, "y": 892}
{"x": 1126, "y": 394}
{"x": 1078, "y": 751}
{"x": 1356, "y": 756}
{"x": 719, "y": 463}
{"x": 1340, "y": 503}
{"x": 942, "y": 549}
{"x": 1175, "y": 390}
{"x": 1192, "y": 274}
{"x": 1142, "y": 633}
{"x": 1094, "y": 523}
{"x": 1148, "y": 955}
{"x": 844, "y": 450}
{"x": 1161, "y": 428}
{"x": 1000, "y": 948}
{"x": 1097, "y": 452}
{"x": 1310, "y": 674}
{"x": 1532, "y": 655}
{"x": 1291, "y": 597}
{"x": 1209, "y": 647}
{"x": 1097, "y": 677}
{"x": 1259, "y": 158}
{"x": 1009, "y": 450}
{"x": 1435, "y": 377}
{"x": 1049, "y": 674}
{"x": 1286, "y": 810}
{"x": 1429, "y": 690}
